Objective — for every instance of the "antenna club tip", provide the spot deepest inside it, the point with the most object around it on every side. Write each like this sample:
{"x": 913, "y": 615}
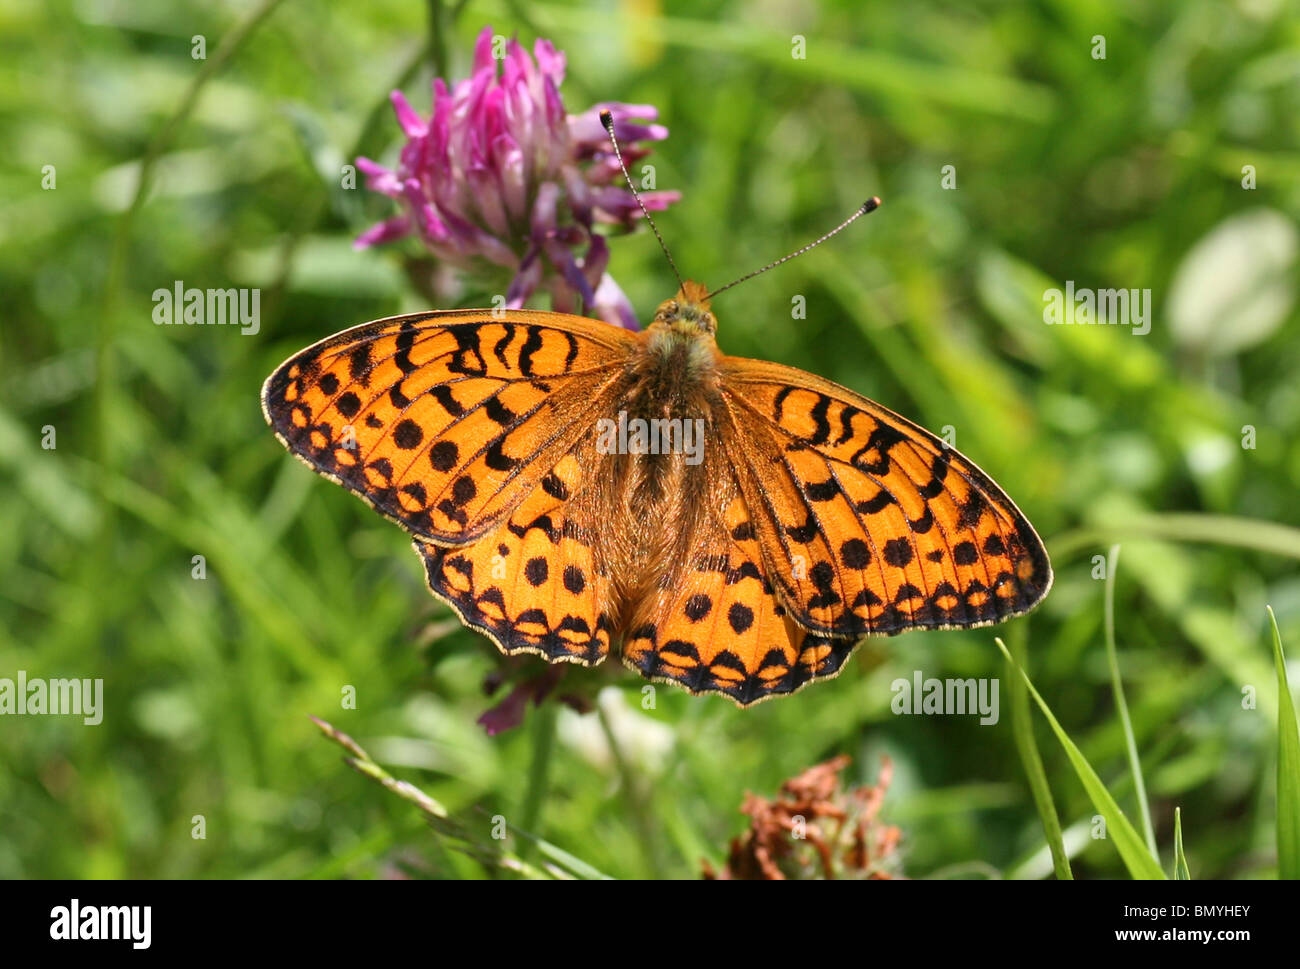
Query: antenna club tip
{"x": 871, "y": 204}
{"x": 607, "y": 119}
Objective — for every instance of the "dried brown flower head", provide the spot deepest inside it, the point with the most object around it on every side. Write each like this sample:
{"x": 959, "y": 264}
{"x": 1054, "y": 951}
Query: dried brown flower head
{"x": 813, "y": 829}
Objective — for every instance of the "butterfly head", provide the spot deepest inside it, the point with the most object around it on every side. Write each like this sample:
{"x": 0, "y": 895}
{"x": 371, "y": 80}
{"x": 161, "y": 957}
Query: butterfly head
{"x": 687, "y": 313}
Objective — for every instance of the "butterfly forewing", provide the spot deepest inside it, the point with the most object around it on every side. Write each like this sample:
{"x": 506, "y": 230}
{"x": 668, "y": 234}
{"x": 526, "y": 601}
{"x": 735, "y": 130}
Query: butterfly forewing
{"x": 444, "y": 422}
{"x": 869, "y": 523}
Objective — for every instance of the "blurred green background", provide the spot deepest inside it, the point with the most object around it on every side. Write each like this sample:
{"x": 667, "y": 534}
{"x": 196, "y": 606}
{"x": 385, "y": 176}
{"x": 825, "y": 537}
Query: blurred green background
{"x": 1118, "y": 172}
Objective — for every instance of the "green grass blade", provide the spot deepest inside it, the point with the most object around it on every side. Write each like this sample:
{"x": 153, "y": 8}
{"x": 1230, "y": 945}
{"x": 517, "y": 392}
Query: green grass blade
{"x": 1288, "y": 768}
{"x": 1121, "y": 705}
{"x": 1128, "y": 842}
{"x": 1181, "y": 872}
{"x": 1022, "y": 730}
{"x": 1228, "y": 530}
{"x": 567, "y": 864}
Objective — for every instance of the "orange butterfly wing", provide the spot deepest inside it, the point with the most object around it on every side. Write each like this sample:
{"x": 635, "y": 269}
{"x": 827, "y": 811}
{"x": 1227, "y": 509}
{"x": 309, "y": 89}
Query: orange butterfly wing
{"x": 537, "y": 584}
{"x": 445, "y": 421}
{"x": 714, "y": 623}
{"x": 868, "y": 523}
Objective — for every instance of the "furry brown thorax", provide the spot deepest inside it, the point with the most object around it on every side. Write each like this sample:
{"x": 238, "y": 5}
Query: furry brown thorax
{"x": 680, "y": 342}
{"x": 686, "y": 313}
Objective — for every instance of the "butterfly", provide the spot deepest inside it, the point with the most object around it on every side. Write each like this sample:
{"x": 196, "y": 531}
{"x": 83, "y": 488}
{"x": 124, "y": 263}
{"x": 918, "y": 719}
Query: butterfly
{"x": 732, "y": 526}
{"x": 747, "y": 561}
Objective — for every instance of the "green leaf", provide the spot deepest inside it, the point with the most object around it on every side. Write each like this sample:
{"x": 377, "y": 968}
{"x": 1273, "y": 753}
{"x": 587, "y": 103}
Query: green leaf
{"x": 1288, "y": 768}
{"x": 1128, "y": 842}
{"x": 1218, "y": 311}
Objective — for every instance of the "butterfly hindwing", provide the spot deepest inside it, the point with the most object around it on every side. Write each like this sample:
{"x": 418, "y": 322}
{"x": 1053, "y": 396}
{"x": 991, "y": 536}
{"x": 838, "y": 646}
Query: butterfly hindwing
{"x": 714, "y": 623}
{"x": 869, "y": 523}
{"x": 445, "y": 421}
{"x": 537, "y": 583}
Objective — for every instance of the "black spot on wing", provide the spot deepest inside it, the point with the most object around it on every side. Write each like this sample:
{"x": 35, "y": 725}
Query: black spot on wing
{"x": 532, "y": 344}
{"x": 873, "y": 457}
{"x": 468, "y": 357}
{"x": 879, "y": 503}
{"x": 399, "y": 399}
{"x": 443, "y": 395}
{"x": 805, "y": 533}
{"x": 498, "y": 412}
{"x": 499, "y": 350}
{"x": 496, "y": 459}
{"x": 554, "y": 487}
{"x": 359, "y": 364}
{"x": 778, "y": 405}
{"x": 847, "y": 413}
{"x": 348, "y": 404}
{"x": 823, "y": 490}
{"x": 822, "y": 433}
{"x": 405, "y": 340}
{"x": 444, "y": 455}
{"x": 923, "y": 524}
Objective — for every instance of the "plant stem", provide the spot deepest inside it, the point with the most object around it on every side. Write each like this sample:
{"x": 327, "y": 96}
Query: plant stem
{"x": 543, "y": 737}
{"x": 437, "y": 815}
{"x": 637, "y": 804}
{"x": 1117, "y": 687}
{"x": 229, "y": 46}
{"x": 437, "y": 38}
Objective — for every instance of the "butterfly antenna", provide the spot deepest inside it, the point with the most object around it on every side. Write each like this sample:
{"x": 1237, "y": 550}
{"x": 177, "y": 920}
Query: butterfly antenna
{"x": 607, "y": 119}
{"x": 870, "y": 205}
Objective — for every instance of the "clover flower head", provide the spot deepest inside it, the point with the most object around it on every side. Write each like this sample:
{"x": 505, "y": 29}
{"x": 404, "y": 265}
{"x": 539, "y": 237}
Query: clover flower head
{"x": 502, "y": 178}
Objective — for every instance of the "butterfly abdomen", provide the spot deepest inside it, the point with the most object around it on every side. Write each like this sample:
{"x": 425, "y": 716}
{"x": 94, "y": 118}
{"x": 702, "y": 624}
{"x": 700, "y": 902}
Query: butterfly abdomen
{"x": 652, "y": 483}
